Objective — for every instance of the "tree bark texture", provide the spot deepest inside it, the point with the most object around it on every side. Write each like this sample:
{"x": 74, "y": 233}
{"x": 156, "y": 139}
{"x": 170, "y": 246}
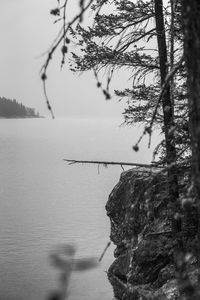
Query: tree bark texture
{"x": 191, "y": 25}
{"x": 167, "y": 107}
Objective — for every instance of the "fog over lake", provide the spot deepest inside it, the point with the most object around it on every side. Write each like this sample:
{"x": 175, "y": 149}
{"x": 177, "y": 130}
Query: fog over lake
{"x": 45, "y": 202}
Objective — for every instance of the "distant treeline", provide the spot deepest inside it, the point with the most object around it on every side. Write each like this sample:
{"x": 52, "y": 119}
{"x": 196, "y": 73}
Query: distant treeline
{"x": 13, "y": 109}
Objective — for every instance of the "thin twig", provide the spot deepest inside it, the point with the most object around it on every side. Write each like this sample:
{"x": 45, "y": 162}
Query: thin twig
{"x": 59, "y": 40}
{"x": 104, "y": 251}
{"x": 47, "y": 100}
{"x": 60, "y": 37}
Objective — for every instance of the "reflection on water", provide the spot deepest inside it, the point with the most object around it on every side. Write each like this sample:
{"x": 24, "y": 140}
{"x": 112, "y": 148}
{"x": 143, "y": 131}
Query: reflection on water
{"x": 44, "y": 202}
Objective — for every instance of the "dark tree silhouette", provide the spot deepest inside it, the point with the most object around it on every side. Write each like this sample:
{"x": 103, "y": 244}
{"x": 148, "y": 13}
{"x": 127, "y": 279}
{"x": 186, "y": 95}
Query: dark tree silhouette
{"x": 13, "y": 109}
{"x": 191, "y": 22}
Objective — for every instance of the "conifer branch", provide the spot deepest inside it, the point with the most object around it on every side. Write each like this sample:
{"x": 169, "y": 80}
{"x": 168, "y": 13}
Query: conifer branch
{"x": 167, "y": 80}
{"x": 125, "y": 47}
{"x": 148, "y": 128}
{"x": 137, "y": 21}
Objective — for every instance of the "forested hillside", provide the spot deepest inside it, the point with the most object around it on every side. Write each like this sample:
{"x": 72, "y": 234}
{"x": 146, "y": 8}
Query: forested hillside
{"x": 13, "y": 109}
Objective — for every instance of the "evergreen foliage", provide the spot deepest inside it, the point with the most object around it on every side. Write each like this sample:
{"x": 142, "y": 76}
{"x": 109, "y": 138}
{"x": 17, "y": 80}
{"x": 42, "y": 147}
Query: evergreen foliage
{"x": 124, "y": 37}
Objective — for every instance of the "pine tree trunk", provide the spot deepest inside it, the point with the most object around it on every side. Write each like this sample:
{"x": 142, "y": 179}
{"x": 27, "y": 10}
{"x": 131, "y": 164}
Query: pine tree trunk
{"x": 191, "y": 25}
{"x": 168, "y": 114}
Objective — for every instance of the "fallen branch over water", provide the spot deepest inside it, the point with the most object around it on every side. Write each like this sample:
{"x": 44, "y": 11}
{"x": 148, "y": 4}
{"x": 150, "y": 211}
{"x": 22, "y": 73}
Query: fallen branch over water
{"x": 107, "y": 163}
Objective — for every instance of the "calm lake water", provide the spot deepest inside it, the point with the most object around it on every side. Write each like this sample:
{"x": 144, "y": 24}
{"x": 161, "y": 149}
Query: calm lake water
{"x": 45, "y": 202}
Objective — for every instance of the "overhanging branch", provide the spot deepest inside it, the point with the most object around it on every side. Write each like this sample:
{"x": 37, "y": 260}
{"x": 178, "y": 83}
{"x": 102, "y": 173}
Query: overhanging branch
{"x": 107, "y": 163}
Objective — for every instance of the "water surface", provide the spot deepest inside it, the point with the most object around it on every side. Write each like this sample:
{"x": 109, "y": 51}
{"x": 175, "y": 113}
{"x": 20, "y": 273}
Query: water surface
{"x": 45, "y": 202}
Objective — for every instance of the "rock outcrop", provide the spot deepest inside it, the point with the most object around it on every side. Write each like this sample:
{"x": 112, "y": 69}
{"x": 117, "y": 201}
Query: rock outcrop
{"x": 140, "y": 228}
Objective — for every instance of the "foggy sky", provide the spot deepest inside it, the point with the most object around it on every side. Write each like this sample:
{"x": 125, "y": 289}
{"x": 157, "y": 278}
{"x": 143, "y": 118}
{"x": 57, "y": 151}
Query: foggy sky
{"x": 27, "y": 31}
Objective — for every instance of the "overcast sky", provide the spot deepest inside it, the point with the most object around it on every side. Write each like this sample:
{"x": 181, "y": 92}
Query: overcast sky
{"x": 27, "y": 30}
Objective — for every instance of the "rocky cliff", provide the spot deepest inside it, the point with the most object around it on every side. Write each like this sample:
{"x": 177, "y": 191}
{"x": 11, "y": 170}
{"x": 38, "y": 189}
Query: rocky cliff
{"x": 145, "y": 245}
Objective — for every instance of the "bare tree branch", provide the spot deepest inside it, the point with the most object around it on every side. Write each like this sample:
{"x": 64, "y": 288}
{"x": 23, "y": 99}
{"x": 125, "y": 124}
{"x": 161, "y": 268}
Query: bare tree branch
{"x": 104, "y": 251}
{"x": 64, "y": 30}
{"x": 106, "y": 163}
{"x": 61, "y": 37}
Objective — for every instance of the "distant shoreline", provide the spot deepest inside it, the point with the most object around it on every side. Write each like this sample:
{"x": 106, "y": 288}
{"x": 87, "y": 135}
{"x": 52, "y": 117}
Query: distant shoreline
{"x": 25, "y": 117}
{"x": 11, "y": 109}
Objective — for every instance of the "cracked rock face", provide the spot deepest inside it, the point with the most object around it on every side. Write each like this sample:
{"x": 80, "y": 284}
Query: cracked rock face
{"x": 140, "y": 229}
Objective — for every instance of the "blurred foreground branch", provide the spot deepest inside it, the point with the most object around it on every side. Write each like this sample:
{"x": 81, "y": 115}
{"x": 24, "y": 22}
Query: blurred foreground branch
{"x": 62, "y": 258}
